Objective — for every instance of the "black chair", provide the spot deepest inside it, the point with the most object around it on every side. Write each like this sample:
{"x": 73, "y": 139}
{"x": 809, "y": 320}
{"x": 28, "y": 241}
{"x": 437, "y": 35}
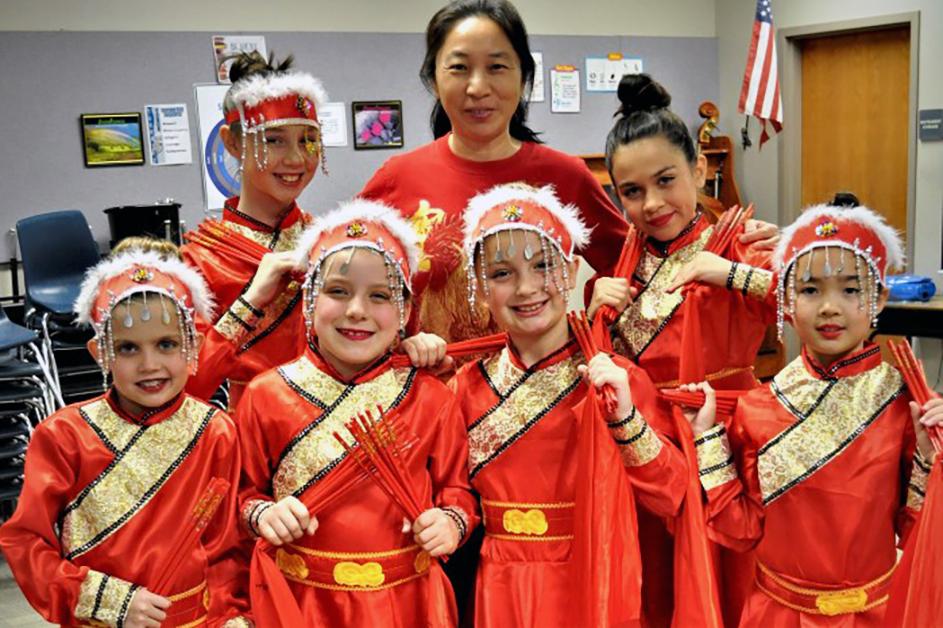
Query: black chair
{"x": 57, "y": 248}
{"x": 24, "y": 367}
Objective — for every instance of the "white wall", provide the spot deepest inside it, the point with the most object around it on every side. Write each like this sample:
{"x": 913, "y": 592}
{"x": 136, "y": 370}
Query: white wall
{"x": 670, "y": 18}
{"x": 758, "y": 171}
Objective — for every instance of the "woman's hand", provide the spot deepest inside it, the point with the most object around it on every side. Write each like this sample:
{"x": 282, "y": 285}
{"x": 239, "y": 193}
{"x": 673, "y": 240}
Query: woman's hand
{"x": 705, "y": 267}
{"x": 705, "y": 417}
{"x": 931, "y": 414}
{"x": 602, "y": 371}
{"x": 146, "y": 610}
{"x": 761, "y": 234}
{"x": 286, "y": 521}
{"x": 436, "y": 533}
{"x": 612, "y": 291}
{"x": 265, "y": 283}
{"x": 427, "y": 351}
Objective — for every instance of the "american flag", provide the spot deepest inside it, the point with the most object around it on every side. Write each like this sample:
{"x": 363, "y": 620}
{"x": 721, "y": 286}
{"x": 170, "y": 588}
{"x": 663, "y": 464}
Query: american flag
{"x": 760, "y": 94}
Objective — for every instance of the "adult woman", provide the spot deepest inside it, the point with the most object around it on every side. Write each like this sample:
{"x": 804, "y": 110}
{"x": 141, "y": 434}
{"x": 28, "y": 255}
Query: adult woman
{"x": 479, "y": 67}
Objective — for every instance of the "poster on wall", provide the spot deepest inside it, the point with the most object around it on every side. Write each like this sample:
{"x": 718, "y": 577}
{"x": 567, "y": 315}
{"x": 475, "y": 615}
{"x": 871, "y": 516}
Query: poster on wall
{"x": 564, "y": 89}
{"x": 168, "y": 134}
{"x": 227, "y": 47}
{"x": 333, "y": 119}
{"x": 112, "y": 139}
{"x": 220, "y": 169}
{"x": 604, "y": 73}
{"x": 377, "y": 124}
{"x": 537, "y": 93}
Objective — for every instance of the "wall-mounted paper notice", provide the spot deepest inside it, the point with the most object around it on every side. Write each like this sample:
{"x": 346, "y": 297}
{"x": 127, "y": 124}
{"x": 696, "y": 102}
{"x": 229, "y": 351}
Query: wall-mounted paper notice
{"x": 604, "y": 73}
{"x": 333, "y": 119}
{"x": 564, "y": 89}
{"x": 168, "y": 134}
{"x": 537, "y": 93}
{"x": 226, "y": 47}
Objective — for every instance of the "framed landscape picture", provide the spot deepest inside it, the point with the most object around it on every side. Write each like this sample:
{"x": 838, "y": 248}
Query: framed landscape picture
{"x": 378, "y": 124}
{"x": 112, "y": 139}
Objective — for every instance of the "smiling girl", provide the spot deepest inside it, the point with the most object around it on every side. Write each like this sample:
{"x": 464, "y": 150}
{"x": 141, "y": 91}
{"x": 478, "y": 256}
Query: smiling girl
{"x": 354, "y": 563}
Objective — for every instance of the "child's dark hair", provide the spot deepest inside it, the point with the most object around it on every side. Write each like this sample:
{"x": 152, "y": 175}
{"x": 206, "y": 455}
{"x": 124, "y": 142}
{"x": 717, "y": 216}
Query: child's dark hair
{"x": 644, "y": 113}
{"x": 502, "y": 13}
{"x": 249, "y": 64}
{"x": 845, "y": 199}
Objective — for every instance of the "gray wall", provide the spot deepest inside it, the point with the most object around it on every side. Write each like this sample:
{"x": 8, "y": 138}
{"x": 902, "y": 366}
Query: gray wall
{"x": 49, "y": 78}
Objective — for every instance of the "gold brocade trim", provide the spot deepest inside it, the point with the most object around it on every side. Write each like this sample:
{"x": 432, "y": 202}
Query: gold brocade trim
{"x": 142, "y": 465}
{"x": 831, "y": 415}
{"x": 103, "y": 598}
{"x": 710, "y": 377}
{"x": 917, "y": 488}
{"x": 645, "y": 317}
{"x": 188, "y": 593}
{"x": 352, "y": 555}
{"x": 525, "y": 398}
{"x": 287, "y": 238}
{"x": 342, "y": 587}
{"x": 542, "y": 506}
{"x": 714, "y": 460}
{"x": 638, "y": 443}
{"x": 237, "y": 322}
{"x": 756, "y": 280}
{"x": 308, "y": 456}
{"x": 526, "y": 539}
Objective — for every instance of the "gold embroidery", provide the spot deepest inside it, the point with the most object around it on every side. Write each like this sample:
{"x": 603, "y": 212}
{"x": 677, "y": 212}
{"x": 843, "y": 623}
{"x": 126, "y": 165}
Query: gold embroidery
{"x": 423, "y": 221}
{"x": 287, "y": 239}
{"x": 352, "y": 555}
{"x": 532, "y": 522}
{"x": 237, "y": 322}
{"x": 842, "y": 602}
{"x": 832, "y": 414}
{"x": 353, "y": 574}
{"x": 521, "y": 406}
{"x": 917, "y": 489}
{"x": 102, "y": 598}
{"x": 643, "y": 319}
{"x": 125, "y": 488}
{"x": 291, "y": 564}
{"x": 638, "y": 442}
{"x": 422, "y": 562}
{"x": 714, "y": 458}
{"x": 760, "y": 282}
{"x": 318, "y": 449}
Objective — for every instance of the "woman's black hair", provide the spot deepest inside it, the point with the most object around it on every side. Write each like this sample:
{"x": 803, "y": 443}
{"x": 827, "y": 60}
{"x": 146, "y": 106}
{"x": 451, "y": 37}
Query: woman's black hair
{"x": 845, "y": 199}
{"x": 502, "y": 13}
{"x": 644, "y": 113}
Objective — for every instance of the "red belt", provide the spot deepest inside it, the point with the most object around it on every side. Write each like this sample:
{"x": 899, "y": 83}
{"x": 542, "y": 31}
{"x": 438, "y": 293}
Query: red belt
{"x": 352, "y": 571}
{"x": 521, "y": 521}
{"x": 821, "y": 600}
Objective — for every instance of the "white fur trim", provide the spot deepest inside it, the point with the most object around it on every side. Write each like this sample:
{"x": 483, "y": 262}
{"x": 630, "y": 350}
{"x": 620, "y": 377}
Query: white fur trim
{"x": 201, "y": 297}
{"x": 862, "y": 215}
{"x": 568, "y": 215}
{"x": 257, "y": 88}
{"x": 367, "y": 211}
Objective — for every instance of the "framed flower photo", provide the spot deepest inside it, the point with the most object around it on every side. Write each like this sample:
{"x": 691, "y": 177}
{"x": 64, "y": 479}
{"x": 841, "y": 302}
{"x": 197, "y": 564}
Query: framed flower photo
{"x": 377, "y": 124}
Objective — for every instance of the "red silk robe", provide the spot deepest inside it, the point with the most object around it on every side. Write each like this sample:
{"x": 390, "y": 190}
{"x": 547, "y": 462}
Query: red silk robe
{"x": 359, "y": 568}
{"x": 105, "y": 498}
{"x": 826, "y": 455}
{"x": 649, "y": 332}
{"x": 241, "y": 343}
{"x": 522, "y": 427}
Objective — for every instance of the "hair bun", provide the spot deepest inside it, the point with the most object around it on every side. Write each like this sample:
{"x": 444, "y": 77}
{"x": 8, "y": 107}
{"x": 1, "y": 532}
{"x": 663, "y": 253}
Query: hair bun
{"x": 845, "y": 199}
{"x": 248, "y": 64}
{"x": 640, "y": 92}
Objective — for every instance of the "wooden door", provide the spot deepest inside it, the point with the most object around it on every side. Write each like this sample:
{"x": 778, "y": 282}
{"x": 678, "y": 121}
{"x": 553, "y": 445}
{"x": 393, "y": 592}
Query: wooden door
{"x": 855, "y": 99}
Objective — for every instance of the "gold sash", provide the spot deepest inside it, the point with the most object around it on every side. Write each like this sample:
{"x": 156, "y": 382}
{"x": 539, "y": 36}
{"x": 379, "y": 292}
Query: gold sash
{"x": 145, "y": 459}
{"x": 314, "y": 451}
{"x": 830, "y": 415}
{"x": 525, "y": 398}
{"x": 645, "y": 317}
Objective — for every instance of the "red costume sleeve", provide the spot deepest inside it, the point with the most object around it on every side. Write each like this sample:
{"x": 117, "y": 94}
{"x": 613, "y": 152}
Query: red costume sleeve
{"x": 29, "y": 540}
{"x": 734, "y": 507}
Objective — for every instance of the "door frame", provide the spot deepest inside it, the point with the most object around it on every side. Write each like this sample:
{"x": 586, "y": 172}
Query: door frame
{"x": 790, "y": 146}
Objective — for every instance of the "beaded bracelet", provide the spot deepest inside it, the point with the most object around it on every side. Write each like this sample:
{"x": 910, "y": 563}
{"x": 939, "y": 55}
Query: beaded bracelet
{"x": 730, "y": 275}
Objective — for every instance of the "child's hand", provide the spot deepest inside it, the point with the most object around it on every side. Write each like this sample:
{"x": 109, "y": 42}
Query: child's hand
{"x": 436, "y": 533}
{"x": 146, "y": 609}
{"x": 270, "y": 272}
{"x": 762, "y": 234}
{"x": 706, "y": 267}
{"x": 613, "y": 291}
{"x": 286, "y": 521}
{"x": 602, "y": 371}
{"x": 427, "y": 351}
{"x": 929, "y": 415}
{"x": 705, "y": 417}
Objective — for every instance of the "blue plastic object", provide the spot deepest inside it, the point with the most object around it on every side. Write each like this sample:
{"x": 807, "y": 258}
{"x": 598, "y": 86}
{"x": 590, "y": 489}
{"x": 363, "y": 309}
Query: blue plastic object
{"x": 56, "y": 248}
{"x": 910, "y": 288}
{"x": 13, "y": 335}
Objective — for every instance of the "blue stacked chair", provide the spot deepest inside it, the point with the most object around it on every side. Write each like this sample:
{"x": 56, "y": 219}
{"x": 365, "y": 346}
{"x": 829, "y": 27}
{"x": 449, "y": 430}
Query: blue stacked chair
{"x": 57, "y": 248}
